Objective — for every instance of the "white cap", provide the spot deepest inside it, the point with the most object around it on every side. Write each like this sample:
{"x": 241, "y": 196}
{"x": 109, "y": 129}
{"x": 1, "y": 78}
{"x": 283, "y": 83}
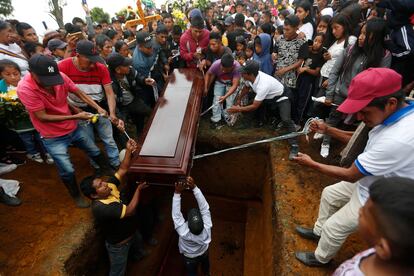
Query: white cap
{"x": 327, "y": 11}
{"x": 251, "y": 19}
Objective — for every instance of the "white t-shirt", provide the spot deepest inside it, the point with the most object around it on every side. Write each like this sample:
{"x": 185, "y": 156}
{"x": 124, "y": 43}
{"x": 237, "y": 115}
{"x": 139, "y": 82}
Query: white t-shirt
{"x": 15, "y": 49}
{"x": 266, "y": 87}
{"x": 389, "y": 150}
{"x": 307, "y": 29}
{"x": 336, "y": 50}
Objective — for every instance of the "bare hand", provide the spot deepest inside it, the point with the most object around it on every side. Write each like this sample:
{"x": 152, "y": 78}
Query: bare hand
{"x": 84, "y": 115}
{"x": 149, "y": 81}
{"x": 274, "y": 56}
{"x": 71, "y": 41}
{"x": 233, "y": 109}
{"x": 328, "y": 102}
{"x": 121, "y": 125}
{"x": 131, "y": 145}
{"x": 197, "y": 55}
{"x": 222, "y": 99}
{"x": 190, "y": 182}
{"x": 202, "y": 65}
{"x": 327, "y": 56}
{"x": 86, "y": 8}
{"x": 281, "y": 72}
{"x": 141, "y": 186}
{"x": 318, "y": 126}
{"x": 304, "y": 159}
{"x": 102, "y": 112}
{"x": 325, "y": 83}
{"x": 302, "y": 69}
{"x": 179, "y": 187}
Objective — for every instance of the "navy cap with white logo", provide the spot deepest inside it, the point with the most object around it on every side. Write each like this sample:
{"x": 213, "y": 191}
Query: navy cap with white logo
{"x": 144, "y": 39}
{"x": 46, "y": 69}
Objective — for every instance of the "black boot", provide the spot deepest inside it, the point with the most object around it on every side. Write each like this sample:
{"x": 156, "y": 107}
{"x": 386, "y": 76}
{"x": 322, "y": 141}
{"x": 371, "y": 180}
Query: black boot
{"x": 104, "y": 167}
{"x": 9, "y": 200}
{"x": 74, "y": 192}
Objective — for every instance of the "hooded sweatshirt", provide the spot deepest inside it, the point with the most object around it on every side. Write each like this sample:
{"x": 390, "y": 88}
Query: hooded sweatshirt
{"x": 188, "y": 46}
{"x": 264, "y": 58}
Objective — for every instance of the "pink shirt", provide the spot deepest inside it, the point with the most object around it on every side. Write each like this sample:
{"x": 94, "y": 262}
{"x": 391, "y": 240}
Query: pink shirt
{"x": 36, "y": 99}
{"x": 352, "y": 266}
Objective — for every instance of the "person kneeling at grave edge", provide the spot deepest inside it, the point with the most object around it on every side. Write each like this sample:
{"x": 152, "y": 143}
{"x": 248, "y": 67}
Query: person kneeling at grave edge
{"x": 114, "y": 217}
{"x": 270, "y": 95}
{"x": 194, "y": 234}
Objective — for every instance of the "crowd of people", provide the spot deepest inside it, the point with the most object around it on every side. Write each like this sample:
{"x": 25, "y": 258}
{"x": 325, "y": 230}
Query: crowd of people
{"x": 342, "y": 61}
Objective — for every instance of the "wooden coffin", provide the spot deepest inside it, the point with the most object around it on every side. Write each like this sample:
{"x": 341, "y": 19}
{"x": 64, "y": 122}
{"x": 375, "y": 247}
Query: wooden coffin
{"x": 167, "y": 144}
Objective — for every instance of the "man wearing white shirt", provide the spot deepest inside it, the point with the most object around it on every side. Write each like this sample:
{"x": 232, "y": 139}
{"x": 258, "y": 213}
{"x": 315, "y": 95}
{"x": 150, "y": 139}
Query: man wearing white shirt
{"x": 10, "y": 50}
{"x": 194, "y": 234}
{"x": 270, "y": 94}
{"x": 375, "y": 96}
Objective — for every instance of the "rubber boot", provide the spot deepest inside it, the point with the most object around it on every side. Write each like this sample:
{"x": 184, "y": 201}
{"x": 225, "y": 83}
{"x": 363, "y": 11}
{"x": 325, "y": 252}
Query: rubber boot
{"x": 74, "y": 192}
{"x": 104, "y": 167}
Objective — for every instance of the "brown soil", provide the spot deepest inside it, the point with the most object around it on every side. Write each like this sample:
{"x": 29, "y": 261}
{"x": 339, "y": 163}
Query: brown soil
{"x": 40, "y": 236}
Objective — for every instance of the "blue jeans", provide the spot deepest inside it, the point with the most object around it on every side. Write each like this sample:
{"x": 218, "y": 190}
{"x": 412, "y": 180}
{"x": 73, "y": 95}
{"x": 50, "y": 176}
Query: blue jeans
{"x": 118, "y": 253}
{"x": 29, "y": 139}
{"x": 220, "y": 89}
{"x": 58, "y": 149}
{"x": 104, "y": 129}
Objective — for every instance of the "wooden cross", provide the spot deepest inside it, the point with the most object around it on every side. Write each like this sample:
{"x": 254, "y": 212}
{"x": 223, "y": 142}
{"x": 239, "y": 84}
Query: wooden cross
{"x": 142, "y": 18}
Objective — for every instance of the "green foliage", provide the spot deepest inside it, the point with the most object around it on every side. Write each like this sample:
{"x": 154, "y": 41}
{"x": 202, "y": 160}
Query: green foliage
{"x": 201, "y": 4}
{"x": 6, "y": 7}
{"x": 98, "y": 15}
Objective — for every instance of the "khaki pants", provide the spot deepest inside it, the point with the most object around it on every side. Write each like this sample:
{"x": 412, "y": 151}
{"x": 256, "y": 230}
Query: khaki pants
{"x": 337, "y": 219}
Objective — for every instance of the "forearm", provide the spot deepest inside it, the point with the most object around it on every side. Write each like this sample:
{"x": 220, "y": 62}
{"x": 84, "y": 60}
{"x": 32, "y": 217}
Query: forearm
{"x": 127, "y": 161}
{"x": 130, "y": 209}
{"x": 110, "y": 97}
{"x": 56, "y": 118}
{"x": 334, "y": 171}
{"x": 88, "y": 100}
{"x": 313, "y": 72}
{"x": 231, "y": 90}
{"x": 294, "y": 66}
{"x": 340, "y": 135}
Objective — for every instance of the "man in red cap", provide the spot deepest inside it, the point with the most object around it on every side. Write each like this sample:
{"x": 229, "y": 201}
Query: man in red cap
{"x": 376, "y": 98}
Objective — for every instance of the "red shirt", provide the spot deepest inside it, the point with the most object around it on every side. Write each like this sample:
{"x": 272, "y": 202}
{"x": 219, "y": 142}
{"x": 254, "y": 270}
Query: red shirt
{"x": 188, "y": 46}
{"x": 90, "y": 82}
{"x": 35, "y": 98}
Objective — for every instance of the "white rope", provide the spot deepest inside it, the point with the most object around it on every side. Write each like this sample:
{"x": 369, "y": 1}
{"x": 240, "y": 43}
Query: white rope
{"x": 305, "y": 131}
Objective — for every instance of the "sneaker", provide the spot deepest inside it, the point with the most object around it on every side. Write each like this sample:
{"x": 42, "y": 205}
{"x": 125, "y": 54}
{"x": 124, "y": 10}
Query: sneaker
{"x": 49, "y": 159}
{"x": 6, "y": 168}
{"x": 35, "y": 157}
{"x": 325, "y": 150}
{"x": 294, "y": 150}
{"x": 9, "y": 200}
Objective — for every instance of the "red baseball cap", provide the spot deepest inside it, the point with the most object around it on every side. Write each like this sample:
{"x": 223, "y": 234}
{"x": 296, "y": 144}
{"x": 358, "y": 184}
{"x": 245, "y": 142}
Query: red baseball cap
{"x": 368, "y": 85}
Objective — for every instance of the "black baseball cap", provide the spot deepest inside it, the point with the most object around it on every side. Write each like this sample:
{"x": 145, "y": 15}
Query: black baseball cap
{"x": 54, "y": 44}
{"x": 46, "y": 69}
{"x": 144, "y": 39}
{"x": 161, "y": 29}
{"x": 88, "y": 49}
{"x": 251, "y": 67}
{"x": 115, "y": 59}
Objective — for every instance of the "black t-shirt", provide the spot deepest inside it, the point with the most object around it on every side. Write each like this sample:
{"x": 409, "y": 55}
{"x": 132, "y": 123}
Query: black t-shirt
{"x": 314, "y": 60}
{"x": 212, "y": 57}
{"x": 110, "y": 215}
{"x": 231, "y": 37}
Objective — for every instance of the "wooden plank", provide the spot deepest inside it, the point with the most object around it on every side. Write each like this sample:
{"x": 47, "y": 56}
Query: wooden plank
{"x": 152, "y": 164}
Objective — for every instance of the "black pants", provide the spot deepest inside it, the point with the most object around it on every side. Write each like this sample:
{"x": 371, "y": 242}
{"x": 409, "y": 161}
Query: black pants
{"x": 191, "y": 264}
{"x": 283, "y": 109}
{"x": 305, "y": 89}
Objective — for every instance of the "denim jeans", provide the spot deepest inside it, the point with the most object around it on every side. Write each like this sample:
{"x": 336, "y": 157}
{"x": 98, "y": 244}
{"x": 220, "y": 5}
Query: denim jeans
{"x": 58, "y": 149}
{"x": 29, "y": 139}
{"x": 220, "y": 89}
{"x": 118, "y": 253}
{"x": 104, "y": 129}
{"x": 191, "y": 264}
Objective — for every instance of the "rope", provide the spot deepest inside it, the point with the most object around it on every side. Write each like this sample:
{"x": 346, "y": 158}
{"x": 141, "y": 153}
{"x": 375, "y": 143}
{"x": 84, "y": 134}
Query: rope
{"x": 305, "y": 131}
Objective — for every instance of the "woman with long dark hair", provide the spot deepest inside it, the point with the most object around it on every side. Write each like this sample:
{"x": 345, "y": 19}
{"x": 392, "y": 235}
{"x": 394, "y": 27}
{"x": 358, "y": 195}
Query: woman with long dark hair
{"x": 369, "y": 52}
{"x": 307, "y": 25}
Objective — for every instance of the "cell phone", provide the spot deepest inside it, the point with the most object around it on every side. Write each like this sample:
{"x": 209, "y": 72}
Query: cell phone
{"x": 84, "y": 2}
